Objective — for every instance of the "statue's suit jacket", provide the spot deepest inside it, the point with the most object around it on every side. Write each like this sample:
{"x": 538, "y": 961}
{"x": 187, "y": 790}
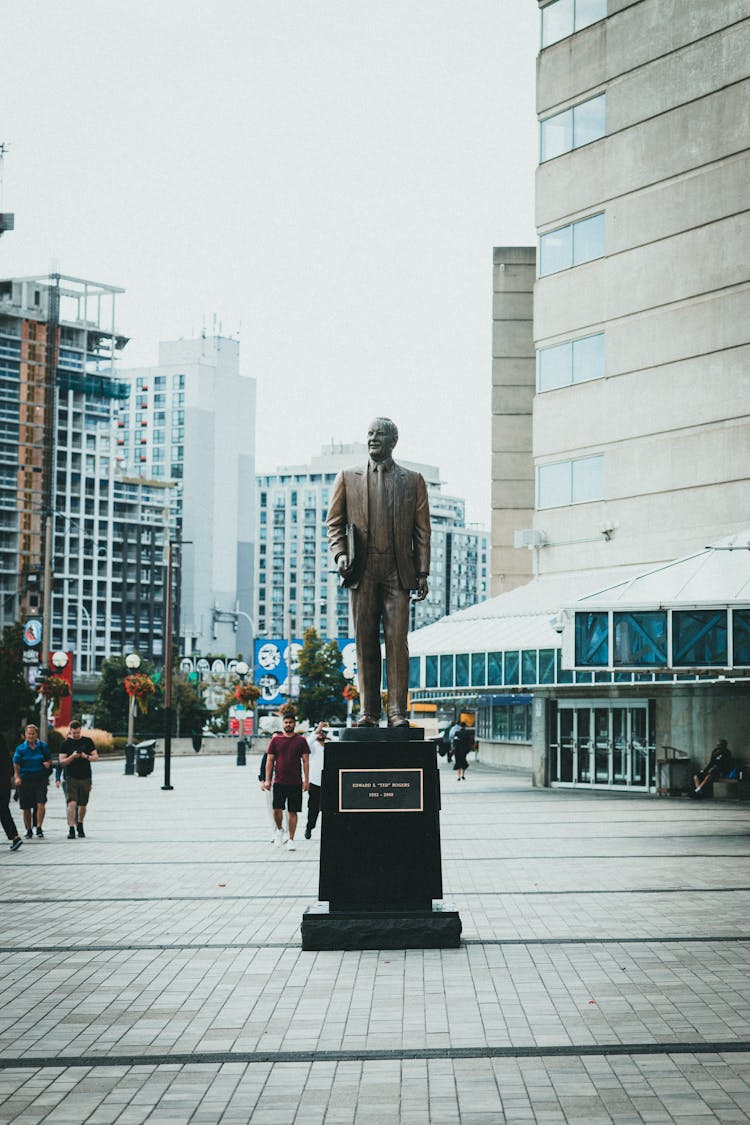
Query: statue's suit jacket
{"x": 410, "y": 533}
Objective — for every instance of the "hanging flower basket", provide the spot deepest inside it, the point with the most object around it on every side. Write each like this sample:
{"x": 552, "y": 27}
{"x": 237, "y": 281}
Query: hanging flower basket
{"x": 288, "y": 709}
{"x": 247, "y": 693}
{"x": 56, "y": 689}
{"x": 140, "y": 688}
{"x": 350, "y": 692}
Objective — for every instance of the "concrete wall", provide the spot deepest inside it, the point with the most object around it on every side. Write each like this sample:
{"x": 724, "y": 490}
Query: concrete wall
{"x": 513, "y": 386}
{"x": 672, "y": 293}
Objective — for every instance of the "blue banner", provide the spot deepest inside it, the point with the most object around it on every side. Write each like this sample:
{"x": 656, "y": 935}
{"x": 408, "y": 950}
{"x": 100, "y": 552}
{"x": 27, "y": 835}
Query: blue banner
{"x": 274, "y": 660}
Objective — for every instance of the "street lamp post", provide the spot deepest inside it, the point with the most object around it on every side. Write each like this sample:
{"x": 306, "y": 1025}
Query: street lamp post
{"x": 133, "y": 663}
{"x": 242, "y": 669}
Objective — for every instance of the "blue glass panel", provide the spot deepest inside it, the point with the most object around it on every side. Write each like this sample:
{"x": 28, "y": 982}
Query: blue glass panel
{"x": 699, "y": 637}
{"x": 584, "y": 677}
{"x": 494, "y": 668}
{"x": 564, "y": 675}
{"x": 446, "y": 671}
{"x": 546, "y": 666}
{"x": 414, "y": 672}
{"x": 741, "y": 636}
{"x": 528, "y": 666}
{"x": 430, "y": 671}
{"x": 511, "y": 668}
{"x": 478, "y": 669}
{"x": 462, "y": 669}
{"x": 640, "y": 639}
{"x": 592, "y": 636}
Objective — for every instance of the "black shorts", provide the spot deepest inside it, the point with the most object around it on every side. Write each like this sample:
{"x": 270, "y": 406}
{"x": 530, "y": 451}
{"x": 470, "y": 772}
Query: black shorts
{"x": 33, "y": 790}
{"x": 288, "y": 796}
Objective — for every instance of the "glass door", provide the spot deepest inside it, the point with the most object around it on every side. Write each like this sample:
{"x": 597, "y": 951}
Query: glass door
{"x": 602, "y": 745}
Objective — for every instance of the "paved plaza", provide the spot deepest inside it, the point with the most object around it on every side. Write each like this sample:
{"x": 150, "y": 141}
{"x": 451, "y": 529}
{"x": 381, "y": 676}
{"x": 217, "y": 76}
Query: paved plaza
{"x": 153, "y": 972}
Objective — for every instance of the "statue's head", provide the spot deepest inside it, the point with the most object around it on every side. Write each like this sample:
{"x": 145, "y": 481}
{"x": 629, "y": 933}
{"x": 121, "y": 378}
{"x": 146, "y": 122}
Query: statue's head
{"x": 382, "y": 435}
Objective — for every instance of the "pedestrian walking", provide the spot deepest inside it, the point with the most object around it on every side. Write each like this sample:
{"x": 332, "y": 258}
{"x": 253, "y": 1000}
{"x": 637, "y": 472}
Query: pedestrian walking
{"x": 31, "y": 765}
{"x": 288, "y": 761}
{"x": 316, "y": 742}
{"x": 268, "y": 794}
{"x": 76, "y": 755}
{"x": 462, "y": 740}
{"x": 6, "y": 779}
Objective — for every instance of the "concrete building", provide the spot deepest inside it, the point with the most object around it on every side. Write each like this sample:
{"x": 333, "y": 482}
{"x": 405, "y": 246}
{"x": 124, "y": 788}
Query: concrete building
{"x": 61, "y": 394}
{"x": 513, "y": 387}
{"x": 191, "y": 420}
{"x": 640, "y": 447}
{"x": 298, "y": 586}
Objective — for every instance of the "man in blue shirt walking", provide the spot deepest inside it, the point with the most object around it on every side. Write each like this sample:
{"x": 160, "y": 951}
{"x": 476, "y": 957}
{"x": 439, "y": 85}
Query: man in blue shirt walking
{"x": 31, "y": 766}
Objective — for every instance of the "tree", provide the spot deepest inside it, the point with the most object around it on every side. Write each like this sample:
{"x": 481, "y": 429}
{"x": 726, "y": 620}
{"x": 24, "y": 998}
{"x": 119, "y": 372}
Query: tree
{"x": 17, "y": 696}
{"x": 321, "y": 680}
{"x": 189, "y": 710}
{"x": 111, "y": 703}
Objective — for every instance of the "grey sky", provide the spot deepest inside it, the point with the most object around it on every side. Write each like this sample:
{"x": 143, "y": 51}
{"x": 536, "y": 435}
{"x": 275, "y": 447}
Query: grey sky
{"x": 327, "y": 177}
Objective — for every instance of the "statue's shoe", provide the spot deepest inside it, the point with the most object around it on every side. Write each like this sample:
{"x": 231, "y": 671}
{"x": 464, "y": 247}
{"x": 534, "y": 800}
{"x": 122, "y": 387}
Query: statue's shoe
{"x": 398, "y": 721}
{"x": 367, "y": 721}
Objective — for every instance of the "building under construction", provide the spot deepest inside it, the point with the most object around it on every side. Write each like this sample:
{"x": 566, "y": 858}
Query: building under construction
{"x": 60, "y": 398}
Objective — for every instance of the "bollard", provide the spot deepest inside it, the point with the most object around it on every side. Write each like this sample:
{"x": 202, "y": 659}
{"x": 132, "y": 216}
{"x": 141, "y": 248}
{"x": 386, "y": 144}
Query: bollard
{"x": 241, "y": 747}
{"x": 130, "y": 759}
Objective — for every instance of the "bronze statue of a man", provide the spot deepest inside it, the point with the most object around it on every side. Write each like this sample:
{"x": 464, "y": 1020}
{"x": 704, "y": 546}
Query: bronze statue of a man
{"x": 379, "y": 534}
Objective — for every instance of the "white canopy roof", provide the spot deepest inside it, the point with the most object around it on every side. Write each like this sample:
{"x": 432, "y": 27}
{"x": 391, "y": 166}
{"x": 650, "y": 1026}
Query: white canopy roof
{"x": 519, "y": 619}
{"x": 719, "y": 575}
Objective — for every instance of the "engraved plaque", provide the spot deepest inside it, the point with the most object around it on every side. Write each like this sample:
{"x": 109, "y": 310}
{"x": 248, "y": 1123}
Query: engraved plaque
{"x": 381, "y": 790}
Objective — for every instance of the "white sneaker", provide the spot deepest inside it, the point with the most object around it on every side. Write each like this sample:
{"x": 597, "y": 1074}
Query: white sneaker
{"x": 277, "y": 840}
{"x": 290, "y": 845}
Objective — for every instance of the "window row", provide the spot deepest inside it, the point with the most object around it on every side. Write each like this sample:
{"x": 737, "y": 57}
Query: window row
{"x": 572, "y": 128}
{"x": 564, "y": 17}
{"x": 571, "y": 482}
{"x": 571, "y": 245}
{"x": 575, "y": 361}
{"x": 710, "y": 638}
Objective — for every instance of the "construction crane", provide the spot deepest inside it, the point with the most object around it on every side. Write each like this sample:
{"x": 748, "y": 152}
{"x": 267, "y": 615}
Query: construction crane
{"x": 7, "y": 219}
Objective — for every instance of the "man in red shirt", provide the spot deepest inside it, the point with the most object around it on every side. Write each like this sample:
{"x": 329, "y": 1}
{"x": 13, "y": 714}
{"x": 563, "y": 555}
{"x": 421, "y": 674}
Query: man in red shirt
{"x": 288, "y": 762}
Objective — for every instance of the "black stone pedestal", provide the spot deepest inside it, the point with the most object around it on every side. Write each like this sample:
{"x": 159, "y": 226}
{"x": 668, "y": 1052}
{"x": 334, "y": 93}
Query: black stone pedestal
{"x": 380, "y": 865}
{"x": 437, "y": 928}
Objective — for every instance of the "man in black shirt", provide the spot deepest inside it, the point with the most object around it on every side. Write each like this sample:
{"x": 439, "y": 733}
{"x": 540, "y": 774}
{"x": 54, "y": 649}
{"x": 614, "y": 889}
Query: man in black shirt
{"x": 76, "y": 755}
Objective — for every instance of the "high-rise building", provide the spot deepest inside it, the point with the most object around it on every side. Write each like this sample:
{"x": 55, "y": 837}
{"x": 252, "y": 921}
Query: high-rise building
{"x": 298, "y": 586}
{"x": 190, "y": 421}
{"x": 61, "y": 395}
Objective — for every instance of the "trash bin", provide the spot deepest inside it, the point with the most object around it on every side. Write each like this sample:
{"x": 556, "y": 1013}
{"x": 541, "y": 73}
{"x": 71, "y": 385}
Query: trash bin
{"x": 130, "y": 758}
{"x": 197, "y": 742}
{"x": 241, "y": 748}
{"x": 145, "y": 754}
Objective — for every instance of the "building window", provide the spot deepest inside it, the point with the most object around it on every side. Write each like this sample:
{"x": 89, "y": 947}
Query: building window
{"x": 699, "y": 637}
{"x": 446, "y": 671}
{"x": 571, "y": 245}
{"x": 494, "y": 668}
{"x": 571, "y": 482}
{"x": 462, "y": 669}
{"x": 564, "y": 17}
{"x": 431, "y": 671}
{"x": 574, "y": 127}
{"x": 478, "y": 672}
{"x": 640, "y": 639}
{"x": 575, "y": 361}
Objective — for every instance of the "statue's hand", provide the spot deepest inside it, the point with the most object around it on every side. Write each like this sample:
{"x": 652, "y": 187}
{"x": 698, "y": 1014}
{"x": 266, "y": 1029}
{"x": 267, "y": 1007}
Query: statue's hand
{"x": 343, "y": 565}
{"x": 422, "y": 589}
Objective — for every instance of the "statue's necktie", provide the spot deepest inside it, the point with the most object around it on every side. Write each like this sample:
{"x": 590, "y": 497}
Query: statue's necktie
{"x": 379, "y": 523}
